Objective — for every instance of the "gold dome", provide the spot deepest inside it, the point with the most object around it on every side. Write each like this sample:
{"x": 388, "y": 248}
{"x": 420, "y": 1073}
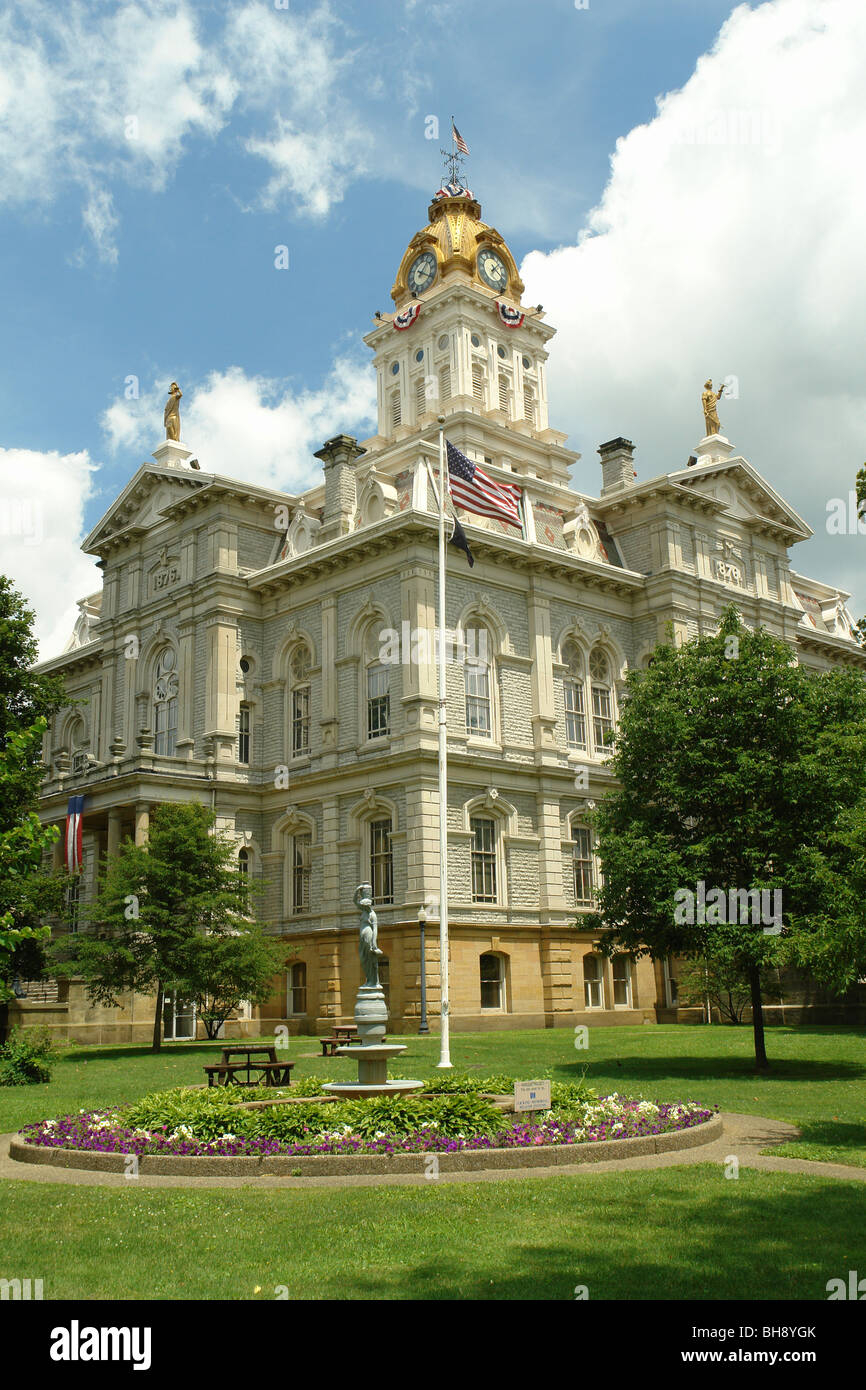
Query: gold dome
{"x": 457, "y": 238}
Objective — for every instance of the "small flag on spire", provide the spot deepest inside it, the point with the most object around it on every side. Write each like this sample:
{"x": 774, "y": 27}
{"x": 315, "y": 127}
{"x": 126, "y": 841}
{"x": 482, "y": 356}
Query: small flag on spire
{"x": 458, "y": 138}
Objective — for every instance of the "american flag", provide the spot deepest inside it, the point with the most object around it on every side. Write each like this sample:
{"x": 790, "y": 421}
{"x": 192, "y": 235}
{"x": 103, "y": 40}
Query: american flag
{"x": 471, "y": 488}
{"x": 458, "y": 139}
{"x": 73, "y": 836}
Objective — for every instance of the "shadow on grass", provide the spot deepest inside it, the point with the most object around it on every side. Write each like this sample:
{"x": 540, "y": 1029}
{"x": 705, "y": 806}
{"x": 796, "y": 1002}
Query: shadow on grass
{"x": 834, "y": 1134}
{"x": 697, "y": 1250}
{"x": 715, "y": 1068}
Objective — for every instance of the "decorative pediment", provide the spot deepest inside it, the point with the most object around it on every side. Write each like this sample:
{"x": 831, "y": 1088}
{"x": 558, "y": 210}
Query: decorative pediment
{"x": 139, "y": 507}
{"x": 302, "y": 534}
{"x": 746, "y": 497}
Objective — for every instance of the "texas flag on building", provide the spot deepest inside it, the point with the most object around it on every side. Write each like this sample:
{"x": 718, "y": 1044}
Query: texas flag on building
{"x": 73, "y": 840}
{"x": 473, "y": 489}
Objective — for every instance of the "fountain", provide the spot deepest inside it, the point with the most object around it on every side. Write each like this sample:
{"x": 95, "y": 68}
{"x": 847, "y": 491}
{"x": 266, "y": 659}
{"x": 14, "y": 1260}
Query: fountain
{"x": 371, "y": 1015}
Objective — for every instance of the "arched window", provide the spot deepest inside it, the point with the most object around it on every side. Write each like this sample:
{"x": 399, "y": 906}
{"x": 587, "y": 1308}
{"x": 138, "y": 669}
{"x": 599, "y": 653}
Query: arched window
{"x": 444, "y": 383}
{"x": 478, "y": 381}
{"x": 593, "y": 996}
{"x": 584, "y": 865}
{"x": 483, "y": 849}
{"x": 491, "y": 969}
{"x": 504, "y": 392}
{"x": 477, "y": 683}
{"x": 296, "y": 989}
{"x": 378, "y": 680}
{"x": 381, "y": 860}
{"x": 300, "y": 850}
{"x": 396, "y": 409}
{"x": 602, "y": 699}
{"x": 165, "y": 705}
{"x": 574, "y": 688}
{"x": 528, "y": 403}
{"x": 300, "y": 694}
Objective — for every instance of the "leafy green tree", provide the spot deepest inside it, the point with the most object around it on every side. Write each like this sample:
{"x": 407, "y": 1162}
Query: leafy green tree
{"x": 830, "y": 916}
{"x": 27, "y": 700}
{"x": 730, "y": 758}
{"x": 719, "y": 978}
{"x": 161, "y": 910}
{"x": 221, "y": 972}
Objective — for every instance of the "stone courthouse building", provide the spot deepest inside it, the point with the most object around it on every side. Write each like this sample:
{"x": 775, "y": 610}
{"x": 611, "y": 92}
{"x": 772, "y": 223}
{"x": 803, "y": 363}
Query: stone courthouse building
{"x": 271, "y": 656}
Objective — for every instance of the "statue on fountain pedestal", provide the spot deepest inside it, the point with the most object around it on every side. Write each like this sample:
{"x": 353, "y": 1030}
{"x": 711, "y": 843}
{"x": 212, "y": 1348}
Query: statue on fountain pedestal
{"x": 369, "y": 932}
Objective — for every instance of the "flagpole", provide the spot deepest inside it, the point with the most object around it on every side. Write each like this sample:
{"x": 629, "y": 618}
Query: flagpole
{"x": 444, "y": 1031}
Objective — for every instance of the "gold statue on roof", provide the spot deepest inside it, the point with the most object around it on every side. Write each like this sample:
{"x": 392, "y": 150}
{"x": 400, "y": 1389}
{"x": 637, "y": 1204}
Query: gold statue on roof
{"x": 709, "y": 400}
{"x": 171, "y": 415}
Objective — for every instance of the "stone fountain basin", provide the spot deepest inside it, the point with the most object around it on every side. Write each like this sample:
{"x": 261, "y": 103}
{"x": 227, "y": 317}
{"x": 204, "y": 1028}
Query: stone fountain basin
{"x": 370, "y": 1052}
{"x": 358, "y": 1090}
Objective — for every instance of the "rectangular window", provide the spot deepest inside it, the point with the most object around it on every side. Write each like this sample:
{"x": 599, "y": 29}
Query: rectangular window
{"x": 529, "y": 404}
{"x": 575, "y": 715}
{"x": 584, "y": 875}
{"x": 301, "y": 873}
{"x": 621, "y": 970}
{"x": 244, "y": 734}
{"x": 165, "y": 740}
{"x": 420, "y": 397}
{"x": 592, "y": 997}
{"x": 504, "y": 392}
{"x": 381, "y": 861}
{"x": 671, "y": 997}
{"x": 483, "y": 860}
{"x": 296, "y": 989}
{"x": 378, "y": 703}
{"x": 300, "y": 721}
{"x": 602, "y": 715}
{"x": 396, "y": 411}
{"x": 477, "y": 683}
{"x": 445, "y": 384}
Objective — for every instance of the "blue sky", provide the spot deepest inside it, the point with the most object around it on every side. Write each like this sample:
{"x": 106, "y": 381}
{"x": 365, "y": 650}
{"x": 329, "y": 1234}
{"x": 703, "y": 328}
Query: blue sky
{"x": 258, "y": 126}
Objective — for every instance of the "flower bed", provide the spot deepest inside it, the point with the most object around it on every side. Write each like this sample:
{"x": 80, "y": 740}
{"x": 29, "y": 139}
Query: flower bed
{"x": 209, "y": 1124}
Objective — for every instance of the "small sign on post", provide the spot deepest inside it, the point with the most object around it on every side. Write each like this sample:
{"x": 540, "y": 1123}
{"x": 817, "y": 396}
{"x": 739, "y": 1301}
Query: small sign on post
{"x": 531, "y": 1095}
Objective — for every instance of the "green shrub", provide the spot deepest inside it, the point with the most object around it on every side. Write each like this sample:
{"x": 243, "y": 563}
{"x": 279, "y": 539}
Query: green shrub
{"x": 27, "y": 1056}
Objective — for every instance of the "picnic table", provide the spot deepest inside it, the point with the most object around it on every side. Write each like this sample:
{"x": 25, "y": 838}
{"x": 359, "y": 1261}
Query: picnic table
{"x": 244, "y": 1061}
{"x": 343, "y": 1035}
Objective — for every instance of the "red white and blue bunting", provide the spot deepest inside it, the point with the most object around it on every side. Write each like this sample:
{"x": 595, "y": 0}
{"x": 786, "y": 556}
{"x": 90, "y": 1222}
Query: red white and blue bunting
{"x": 407, "y": 318}
{"x": 512, "y": 318}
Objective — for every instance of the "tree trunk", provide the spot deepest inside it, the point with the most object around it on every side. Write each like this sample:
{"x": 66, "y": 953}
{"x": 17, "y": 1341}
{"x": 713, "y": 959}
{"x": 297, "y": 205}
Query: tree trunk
{"x": 157, "y": 1019}
{"x": 758, "y": 1019}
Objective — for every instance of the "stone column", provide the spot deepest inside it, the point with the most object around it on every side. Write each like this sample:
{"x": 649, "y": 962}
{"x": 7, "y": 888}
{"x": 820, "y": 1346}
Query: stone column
{"x": 330, "y": 721}
{"x": 541, "y": 651}
{"x": 142, "y": 822}
{"x": 114, "y": 826}
{"x": 556, "y": 975}
{"x": 330, "y": 992}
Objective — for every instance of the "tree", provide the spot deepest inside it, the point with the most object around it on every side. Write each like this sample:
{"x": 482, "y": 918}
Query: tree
{"x": 730, "y": 759}
{"x": 830, "y": 920}
{"x": 221, "y": 972}
{"x": 161, "y": 911}
{"x": 719, "y": 978}
{"x": 27, "y": 699}
{"x": 25, "y": 893}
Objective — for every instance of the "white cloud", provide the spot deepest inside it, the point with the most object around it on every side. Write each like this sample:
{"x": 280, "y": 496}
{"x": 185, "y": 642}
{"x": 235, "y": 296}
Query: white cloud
{"x": 729, "y": 241}
{"x": 253, "y": 428}
{"x": 42, "y": 501}
{"x": 95, "y": 96}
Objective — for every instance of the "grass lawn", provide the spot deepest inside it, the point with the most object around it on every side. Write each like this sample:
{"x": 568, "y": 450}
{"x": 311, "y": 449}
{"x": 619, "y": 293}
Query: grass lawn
{"x": 676, "y": 1233}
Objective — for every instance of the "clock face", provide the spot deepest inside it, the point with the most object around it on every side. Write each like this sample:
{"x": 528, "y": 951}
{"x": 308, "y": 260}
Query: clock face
{"x": 492, "y": 270}
{"x": 422, "y": 272}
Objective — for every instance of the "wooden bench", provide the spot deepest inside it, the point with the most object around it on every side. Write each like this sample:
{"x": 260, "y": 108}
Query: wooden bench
{"x": 240, "y": 1062}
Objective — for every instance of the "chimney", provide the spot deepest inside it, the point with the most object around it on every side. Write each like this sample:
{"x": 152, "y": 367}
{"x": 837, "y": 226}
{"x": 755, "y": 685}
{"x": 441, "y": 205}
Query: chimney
{"x": 617, "y": 465}
{"x": 339, "y": 456}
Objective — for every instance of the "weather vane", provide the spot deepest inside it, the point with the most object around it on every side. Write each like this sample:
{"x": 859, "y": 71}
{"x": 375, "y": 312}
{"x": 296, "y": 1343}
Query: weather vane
{"x": 454, "y": 157}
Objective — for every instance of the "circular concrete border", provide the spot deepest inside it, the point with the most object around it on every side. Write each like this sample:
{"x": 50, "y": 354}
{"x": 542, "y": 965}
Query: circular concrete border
{"x": 370, "y": 1165}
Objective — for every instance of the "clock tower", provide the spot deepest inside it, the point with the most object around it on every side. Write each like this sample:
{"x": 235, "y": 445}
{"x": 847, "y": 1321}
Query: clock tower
{"x": 461, "y": 343}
